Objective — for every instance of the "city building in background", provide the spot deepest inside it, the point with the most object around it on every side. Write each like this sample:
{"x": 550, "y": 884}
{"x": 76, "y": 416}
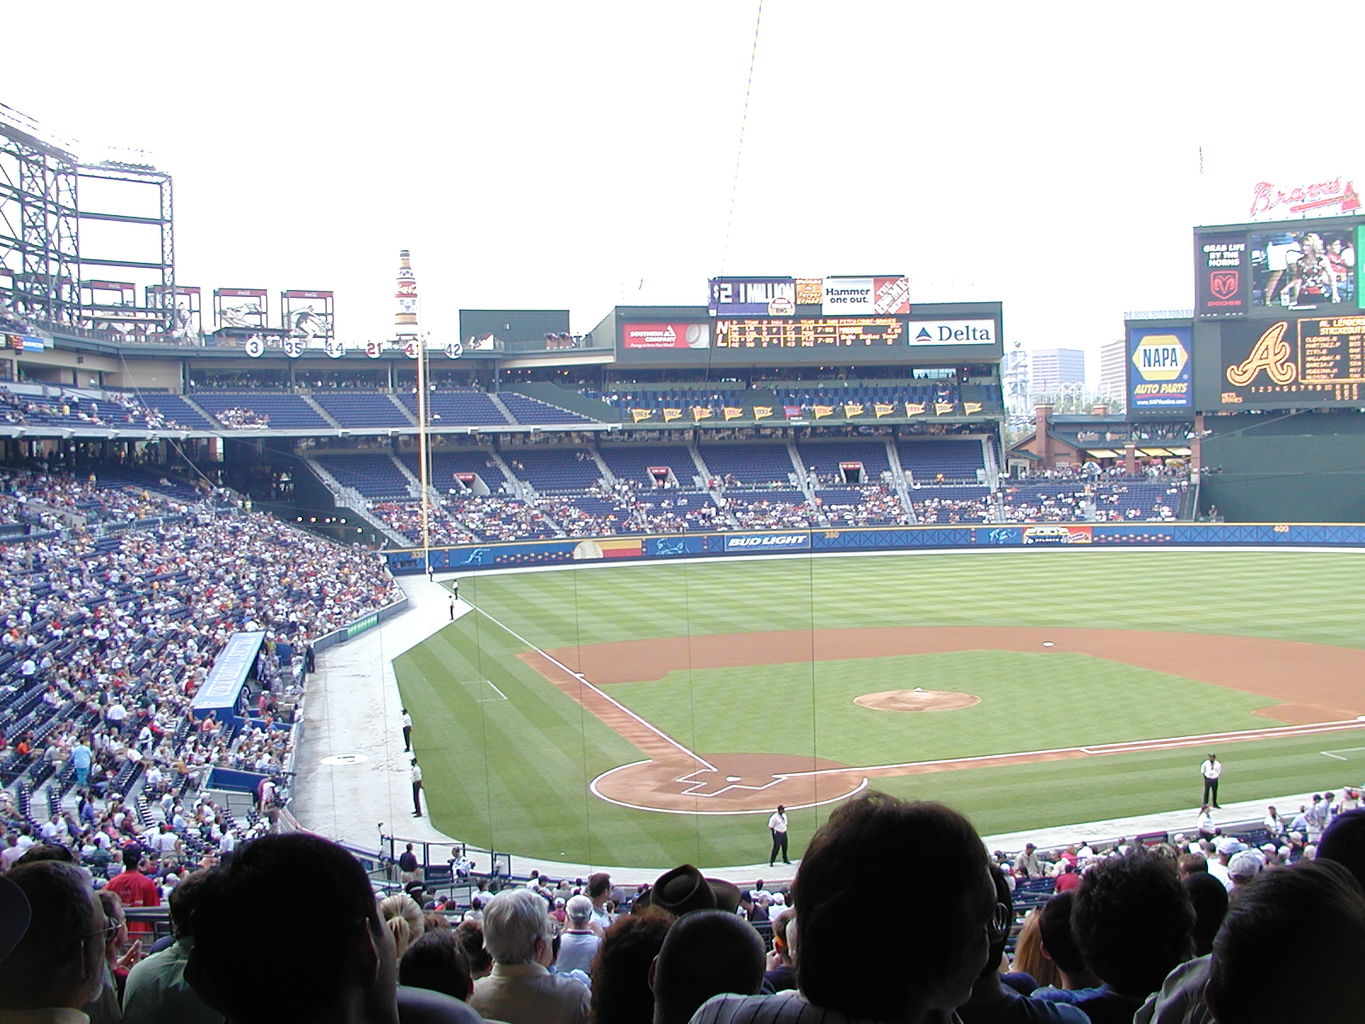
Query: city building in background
{"x": 1056, "y": 370}
{"x": 1113, "y": 369}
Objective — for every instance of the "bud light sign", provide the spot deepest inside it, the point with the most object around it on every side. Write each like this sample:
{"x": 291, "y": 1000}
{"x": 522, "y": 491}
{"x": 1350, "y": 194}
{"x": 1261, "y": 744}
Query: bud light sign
{"x": 768, "y": 542}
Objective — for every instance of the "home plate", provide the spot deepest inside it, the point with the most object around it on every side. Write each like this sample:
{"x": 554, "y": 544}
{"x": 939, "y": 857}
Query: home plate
{"x": 732, "y": 778}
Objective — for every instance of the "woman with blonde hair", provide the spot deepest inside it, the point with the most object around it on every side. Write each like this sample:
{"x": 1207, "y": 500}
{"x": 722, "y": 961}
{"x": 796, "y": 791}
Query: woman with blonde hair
{"x": 403, "y": 916}
{"x": 1029, "y": 957}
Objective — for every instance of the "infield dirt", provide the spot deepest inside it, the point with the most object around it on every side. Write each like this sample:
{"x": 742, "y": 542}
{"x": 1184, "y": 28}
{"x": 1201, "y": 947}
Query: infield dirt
{"x": 1311, "y": 686}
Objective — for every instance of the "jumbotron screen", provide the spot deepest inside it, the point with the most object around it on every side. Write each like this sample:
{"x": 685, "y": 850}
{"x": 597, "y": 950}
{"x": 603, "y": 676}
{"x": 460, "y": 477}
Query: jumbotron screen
{"x": 1269, "y": 270}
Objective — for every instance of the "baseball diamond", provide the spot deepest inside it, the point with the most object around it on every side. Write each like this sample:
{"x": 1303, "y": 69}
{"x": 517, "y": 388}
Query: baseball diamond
{"x": 638, "y": 720}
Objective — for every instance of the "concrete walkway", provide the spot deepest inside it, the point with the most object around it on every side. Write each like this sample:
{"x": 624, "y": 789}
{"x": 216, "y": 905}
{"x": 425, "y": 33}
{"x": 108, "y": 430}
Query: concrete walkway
{"x": 353, "y": 776}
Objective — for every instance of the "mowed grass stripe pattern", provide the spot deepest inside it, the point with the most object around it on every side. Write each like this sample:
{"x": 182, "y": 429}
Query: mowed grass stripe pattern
{"x": 515, "y": 775}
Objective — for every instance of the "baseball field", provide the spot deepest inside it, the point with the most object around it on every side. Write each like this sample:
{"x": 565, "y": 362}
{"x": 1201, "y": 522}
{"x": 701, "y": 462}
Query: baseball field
{"x": 653, "y": 714}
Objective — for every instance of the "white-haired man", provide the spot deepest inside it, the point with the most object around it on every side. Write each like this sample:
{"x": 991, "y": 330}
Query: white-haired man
{"x": 578, "y": 942}
{"x": 518, "y": 933}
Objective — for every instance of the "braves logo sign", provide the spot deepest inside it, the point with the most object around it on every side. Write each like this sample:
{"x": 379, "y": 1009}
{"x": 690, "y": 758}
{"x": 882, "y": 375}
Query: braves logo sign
{"x": 1224, "y": 284}
{"x": 1270, "y": 354}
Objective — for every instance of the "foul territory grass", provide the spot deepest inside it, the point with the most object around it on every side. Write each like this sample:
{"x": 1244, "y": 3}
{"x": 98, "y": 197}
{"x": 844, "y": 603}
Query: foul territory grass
{"x": 508, "y": 758}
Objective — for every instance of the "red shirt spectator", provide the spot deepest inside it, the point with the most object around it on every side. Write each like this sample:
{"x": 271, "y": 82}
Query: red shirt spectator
{"x": 135, "y": 889}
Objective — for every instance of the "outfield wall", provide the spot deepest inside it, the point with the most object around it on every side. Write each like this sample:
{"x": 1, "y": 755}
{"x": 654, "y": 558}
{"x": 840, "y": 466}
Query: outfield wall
{"x": 470, "y": 557}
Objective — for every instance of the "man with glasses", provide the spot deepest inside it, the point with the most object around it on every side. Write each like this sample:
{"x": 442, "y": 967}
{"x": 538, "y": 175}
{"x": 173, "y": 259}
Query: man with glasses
{"x": 58, "y": 966}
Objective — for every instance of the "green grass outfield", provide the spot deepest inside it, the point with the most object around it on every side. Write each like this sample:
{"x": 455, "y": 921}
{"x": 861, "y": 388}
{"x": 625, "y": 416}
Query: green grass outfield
{"x": 507, "y": 758}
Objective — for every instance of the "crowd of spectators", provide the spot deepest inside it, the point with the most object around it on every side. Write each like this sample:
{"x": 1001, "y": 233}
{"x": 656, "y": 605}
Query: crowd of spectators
{"x": 104, "y": 642}
{"x": 1106, "y": 499}
{"x": 237, "y": 418}
{"x": 1167, "y": 932}
{"x": 931, "y": 511}
{"x": 37, "y": 498}
{"x": 119, "y": 410}
{"x": 668, "y": 510}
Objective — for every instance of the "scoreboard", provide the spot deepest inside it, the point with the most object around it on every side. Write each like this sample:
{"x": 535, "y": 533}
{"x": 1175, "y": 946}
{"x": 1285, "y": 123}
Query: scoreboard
{"x": 935, "y": 334}
{"x": 1293, "y": 362}
{"x": 810, "y": 332}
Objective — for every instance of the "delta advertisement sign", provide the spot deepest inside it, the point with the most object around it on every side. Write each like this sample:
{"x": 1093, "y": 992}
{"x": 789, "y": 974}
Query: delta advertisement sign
{"x": 952, "y": 332}
{"x": 666, "y": 335}
{"x": 1159, "y": 375}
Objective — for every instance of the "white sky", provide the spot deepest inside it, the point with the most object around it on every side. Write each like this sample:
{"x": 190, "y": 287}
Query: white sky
{"x": 551, "y": 155}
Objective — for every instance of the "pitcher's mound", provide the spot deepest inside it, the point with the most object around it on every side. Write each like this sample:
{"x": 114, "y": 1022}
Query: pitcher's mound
{"x": 917, "y": 700}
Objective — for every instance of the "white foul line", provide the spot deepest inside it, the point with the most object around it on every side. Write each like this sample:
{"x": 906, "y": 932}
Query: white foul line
{"x": 597, "y": 690}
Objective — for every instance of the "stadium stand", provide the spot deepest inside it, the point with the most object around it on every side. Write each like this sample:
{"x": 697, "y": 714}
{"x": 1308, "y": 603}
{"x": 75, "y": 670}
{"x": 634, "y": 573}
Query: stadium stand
{"x": 258, "y": 410}
{"x": 554, "y": 470}
{"x": 458, "y": 408}
{"x": 363, "y": 409}
{"x": 108, "y": 636}
{"x": 446, "y": 463}
{"x": 759, "y": 464}
{"x": 375, "y": 476}
{"x": 533, "y": 411}
{"x": 941, "y": 460}
{"x": 634, "y": 463}
{"x": 827, "y": 459}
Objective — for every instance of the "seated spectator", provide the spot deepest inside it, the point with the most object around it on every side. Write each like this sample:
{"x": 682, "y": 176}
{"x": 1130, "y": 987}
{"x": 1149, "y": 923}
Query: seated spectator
{"x": 437, "y": 961}
{"x": 1029, "y": 958}
{"x": 343, "y": 973}
{"x": 1059, "y": 945}
{"x": 1134, "y": 924}
{"x": 1256, "y": 975}
{"x": 918, "y": 950}
{"x": 470, "y": 936}
{"x": 1210, "y": 901}
{"x": 156, "y": 990}
{"x": 705, "y": 953}
{"x": 58, "y": 966}
{"x": 1068, "y": 878}
{"x": 519, "y": 934}
{"x": 577, "y": 943}
{"x": 992, "y": 1001}
{"x": 620, "y": 978}
{"x": 403, "y": 917}
{"x": 780, "y": 972}
{"x": 1344, "y": 842}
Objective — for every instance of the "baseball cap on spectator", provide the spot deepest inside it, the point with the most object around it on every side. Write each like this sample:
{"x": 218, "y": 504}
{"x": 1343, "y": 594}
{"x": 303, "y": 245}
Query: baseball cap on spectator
{"x": 1245, "y": 864}
{"x": 1227, "y": 846}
